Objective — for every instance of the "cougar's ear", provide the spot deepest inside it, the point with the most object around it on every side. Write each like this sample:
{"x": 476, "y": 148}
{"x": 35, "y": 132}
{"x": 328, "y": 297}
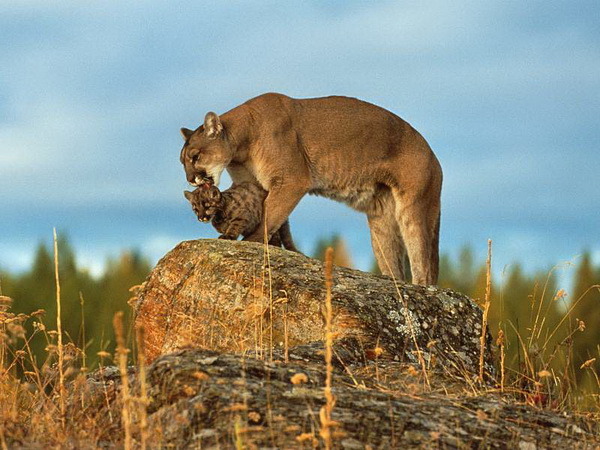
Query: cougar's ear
{"x": 188, "y": 195}
{"x": 185, "y": 133}
{"x": 212, "y": 125}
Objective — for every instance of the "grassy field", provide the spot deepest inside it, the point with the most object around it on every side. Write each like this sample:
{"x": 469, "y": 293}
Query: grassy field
{"x": 535, "y": 364}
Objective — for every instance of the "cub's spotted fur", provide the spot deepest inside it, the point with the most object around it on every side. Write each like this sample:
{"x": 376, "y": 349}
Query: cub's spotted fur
{"x": 236, "y": 211}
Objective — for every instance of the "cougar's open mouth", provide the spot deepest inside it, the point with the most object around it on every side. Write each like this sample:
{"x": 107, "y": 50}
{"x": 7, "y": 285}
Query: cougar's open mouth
{"x": 202, "y": 178}
{"x": 211, "y": 176}
{"x": 198, "y": 181}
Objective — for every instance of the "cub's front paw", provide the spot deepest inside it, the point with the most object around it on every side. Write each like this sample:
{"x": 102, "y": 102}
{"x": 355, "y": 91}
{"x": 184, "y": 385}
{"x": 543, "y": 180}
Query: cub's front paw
{"x": 228, "y": 237}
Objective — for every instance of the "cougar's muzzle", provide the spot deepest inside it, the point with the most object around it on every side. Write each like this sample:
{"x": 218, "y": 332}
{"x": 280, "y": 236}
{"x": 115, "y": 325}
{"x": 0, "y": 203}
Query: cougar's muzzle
{"x": 203, "y": 179}
{"x": 197, "y": 179}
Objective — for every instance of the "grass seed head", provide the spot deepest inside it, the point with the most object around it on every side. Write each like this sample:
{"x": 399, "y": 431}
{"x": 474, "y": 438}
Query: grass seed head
{"x": 5, "y": 303}
{"x": 588, "y": 363}
{"x": 299, "y": 378}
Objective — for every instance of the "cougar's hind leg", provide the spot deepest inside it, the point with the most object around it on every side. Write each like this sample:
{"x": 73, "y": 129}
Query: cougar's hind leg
{"x": 386, "y": 239}
{"x": 416, "y": 227}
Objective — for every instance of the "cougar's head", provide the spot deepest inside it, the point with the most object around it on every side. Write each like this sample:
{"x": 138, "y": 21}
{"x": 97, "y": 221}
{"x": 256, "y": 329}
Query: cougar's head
{"x": 206, "y": 152}
{"x": 205, "y": 201}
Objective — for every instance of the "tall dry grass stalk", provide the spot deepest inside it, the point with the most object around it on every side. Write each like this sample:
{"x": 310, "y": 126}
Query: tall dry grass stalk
{"x": 5, "y": 304}
{"x": 61, "y": 373}
{"x": 267, "y": 270}
{"x": 83, "y": 343}
{"x": 408, "y": 319}
{"x": 500, "y": 344}
{"x": 143, "y": 400}
{"x": 486, "y": 309}
{"x": 122, "y": 359}
{"x": 258, "y": 317}
{"x": 286, "y": 340}
{"x": 325, "y": 413}
{"x": 538, "y": 323}
{"x": 568, "y": 314}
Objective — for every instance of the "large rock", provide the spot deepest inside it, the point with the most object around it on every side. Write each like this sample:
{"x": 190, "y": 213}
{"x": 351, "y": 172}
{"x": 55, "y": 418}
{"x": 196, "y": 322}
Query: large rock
{"x": 204, "y": 399}
{"x": 198, "y": 397}
{"x": 232, "y": 296}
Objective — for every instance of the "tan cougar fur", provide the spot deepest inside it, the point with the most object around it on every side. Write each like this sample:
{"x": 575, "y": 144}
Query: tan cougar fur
{"x": 338, "y": 147}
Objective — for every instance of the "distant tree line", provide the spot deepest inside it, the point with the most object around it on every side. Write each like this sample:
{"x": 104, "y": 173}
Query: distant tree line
{"x": 536, "y": 316}
{"x": 87, "y": 303}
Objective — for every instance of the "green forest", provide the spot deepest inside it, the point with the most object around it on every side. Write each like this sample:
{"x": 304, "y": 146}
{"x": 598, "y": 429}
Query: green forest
{"x": 545, "y": 327}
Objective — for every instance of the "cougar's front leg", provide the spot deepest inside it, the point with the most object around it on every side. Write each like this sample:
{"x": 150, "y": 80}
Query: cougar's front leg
{"x": 285, "y": 233}
{"x": 276, "y": 208}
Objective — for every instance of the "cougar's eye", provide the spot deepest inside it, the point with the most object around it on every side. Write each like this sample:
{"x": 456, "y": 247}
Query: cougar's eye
{"x": 194, "y": 155}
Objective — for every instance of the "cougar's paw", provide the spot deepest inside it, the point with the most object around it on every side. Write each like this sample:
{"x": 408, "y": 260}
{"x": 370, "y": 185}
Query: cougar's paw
{"x": 228, "y": 237}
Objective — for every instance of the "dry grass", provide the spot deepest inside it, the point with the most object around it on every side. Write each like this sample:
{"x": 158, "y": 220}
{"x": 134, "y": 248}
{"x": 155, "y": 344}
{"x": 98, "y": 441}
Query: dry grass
{"x": 325, "y": 414}
{"x": 122, "y": 352}
{"x": 143, "y": 399}
{"x": 486, "y": 309}
{"x": 34, "y": 406}
{"x": 61, "y": 382}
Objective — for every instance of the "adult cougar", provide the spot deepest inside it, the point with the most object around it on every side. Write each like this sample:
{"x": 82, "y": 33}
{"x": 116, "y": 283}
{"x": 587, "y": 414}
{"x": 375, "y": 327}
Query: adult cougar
{"x": 337, "y": 147}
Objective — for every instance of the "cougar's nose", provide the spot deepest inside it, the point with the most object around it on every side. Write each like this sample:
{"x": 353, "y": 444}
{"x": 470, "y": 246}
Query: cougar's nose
{"x": 191, "y": 177}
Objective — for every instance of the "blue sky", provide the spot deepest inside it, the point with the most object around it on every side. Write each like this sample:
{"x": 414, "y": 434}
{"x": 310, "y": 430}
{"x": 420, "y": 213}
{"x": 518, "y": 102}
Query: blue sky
{"x": 92, "y": 96}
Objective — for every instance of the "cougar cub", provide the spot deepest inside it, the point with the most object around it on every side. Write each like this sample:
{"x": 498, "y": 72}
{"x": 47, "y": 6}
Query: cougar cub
{"x": 236, "y": 211}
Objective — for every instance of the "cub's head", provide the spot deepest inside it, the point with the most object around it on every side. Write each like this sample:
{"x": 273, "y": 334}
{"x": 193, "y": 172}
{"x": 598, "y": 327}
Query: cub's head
{"x": 206, "y": 152}
{"x": 205, "y": 201}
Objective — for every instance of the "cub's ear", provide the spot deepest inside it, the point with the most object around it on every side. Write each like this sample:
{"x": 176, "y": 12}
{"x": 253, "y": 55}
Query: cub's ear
{"x": 188, "y": 195}
{"x": 212, "y": 125}
{"x": 215, "y": 193}
{"x": 185, "y": 133}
